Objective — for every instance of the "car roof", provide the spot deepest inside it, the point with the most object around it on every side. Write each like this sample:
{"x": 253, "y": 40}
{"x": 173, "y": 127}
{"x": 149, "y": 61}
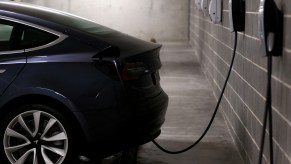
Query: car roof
{"x": 130, "y": 45}
{"x": 55, "y": 16}
{"x": 31, "y": 10}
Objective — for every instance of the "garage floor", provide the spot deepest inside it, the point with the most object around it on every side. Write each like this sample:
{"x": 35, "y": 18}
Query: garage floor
{"x": 190, "y": 107}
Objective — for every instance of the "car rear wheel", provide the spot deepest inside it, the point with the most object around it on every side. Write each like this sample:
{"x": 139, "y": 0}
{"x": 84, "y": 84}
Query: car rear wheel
{"x": 34, "y": 134}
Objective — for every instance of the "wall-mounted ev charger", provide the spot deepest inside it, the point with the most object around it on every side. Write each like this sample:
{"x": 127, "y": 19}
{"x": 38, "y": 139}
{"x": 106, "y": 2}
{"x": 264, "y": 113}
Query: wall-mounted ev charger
{"x": 198, "y": 4}
{"x": 237, "y": 11}
{"x": 215, "y": 11}
{"x": 204, "y": 7}
{"x": 270, "y": 28}
{"x": 271, "y": 37}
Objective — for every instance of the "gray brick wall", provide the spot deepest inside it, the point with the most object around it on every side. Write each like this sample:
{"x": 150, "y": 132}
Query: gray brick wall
{"x": 244, "y": 99}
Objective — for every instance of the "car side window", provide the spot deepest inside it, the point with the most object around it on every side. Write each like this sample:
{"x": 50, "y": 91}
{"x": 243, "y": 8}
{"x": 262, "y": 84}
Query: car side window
{"x": 5, "y": 36}
{"x": 14, "y": 36}
{"x": 32, "y": 37}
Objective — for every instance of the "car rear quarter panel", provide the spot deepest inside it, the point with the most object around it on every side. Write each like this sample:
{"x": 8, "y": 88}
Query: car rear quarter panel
{"x": 68, "y": 69}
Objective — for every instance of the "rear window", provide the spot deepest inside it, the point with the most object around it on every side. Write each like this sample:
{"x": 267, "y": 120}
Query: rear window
{"x": 32, "y": 37}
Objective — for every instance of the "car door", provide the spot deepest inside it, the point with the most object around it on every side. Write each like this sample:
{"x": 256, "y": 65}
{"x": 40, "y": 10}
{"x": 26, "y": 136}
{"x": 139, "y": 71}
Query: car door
{"x": 12, "y": 59}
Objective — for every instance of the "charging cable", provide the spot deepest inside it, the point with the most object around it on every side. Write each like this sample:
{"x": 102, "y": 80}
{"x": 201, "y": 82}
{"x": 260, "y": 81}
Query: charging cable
{"x": 268, "y": 112}
{"x": 215, "y": 111}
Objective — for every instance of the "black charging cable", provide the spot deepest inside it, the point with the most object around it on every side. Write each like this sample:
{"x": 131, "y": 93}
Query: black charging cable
{"x": 268, "y": 112}
{"x": 215, "y": 111}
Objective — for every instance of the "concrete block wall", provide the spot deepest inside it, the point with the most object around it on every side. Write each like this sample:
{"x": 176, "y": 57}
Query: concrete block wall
{"x": 164, "y": 20}
{"x": 244, "y": 100}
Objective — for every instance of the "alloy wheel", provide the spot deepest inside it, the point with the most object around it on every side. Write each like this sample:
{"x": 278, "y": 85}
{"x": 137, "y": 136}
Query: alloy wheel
{"x": 35, "y": 137}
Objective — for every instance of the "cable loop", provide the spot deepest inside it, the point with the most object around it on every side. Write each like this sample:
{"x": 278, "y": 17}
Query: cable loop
{"x": 214, "y": 113}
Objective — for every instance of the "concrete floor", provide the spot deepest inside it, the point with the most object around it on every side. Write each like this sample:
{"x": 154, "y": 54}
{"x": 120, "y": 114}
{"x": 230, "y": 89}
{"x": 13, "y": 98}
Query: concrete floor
{"x": 190, "y": 107}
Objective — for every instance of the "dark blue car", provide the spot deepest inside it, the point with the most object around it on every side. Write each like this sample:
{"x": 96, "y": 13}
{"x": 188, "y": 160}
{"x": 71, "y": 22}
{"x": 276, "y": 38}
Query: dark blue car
{"x": 71, "y": 87}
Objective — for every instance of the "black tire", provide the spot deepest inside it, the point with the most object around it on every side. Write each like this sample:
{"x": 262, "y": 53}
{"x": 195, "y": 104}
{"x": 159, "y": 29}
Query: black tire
{"x": 25, "y": 120}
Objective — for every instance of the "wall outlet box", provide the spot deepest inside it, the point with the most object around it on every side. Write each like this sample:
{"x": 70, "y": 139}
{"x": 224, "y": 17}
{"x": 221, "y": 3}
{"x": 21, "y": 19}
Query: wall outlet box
{"x": 204, "y": 7}
{"x": 215, "y": 11}
{"x": 198, "y": 4}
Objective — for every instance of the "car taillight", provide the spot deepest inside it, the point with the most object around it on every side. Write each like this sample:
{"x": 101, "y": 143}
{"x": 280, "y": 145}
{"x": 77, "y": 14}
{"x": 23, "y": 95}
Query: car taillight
{"x": 133, "y": 71}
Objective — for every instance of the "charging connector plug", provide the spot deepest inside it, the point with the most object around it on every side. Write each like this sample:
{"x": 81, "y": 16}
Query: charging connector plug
{"x": 237, "y": 11}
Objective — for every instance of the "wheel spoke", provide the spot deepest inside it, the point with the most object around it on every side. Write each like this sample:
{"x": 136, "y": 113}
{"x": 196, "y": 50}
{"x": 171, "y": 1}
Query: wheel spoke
{"x": 36, "y": 118}
{"x": 23, "y": 158}
{"x": 58, "y": 137}
{"x": 48, "y": 126}
{"x": 35, "y": 161}
{"x": 12, "y": 133}
{"x": 15, "y": 148}
{"x": 58, "y": 151}
{"x": 23, "y": 124}
{"x": 39, "y": 156}
{"x": 45, "y": 157}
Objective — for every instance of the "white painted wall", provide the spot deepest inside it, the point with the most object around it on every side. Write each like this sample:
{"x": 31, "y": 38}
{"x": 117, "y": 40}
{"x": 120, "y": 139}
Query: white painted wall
{"x": 164, "y": 20}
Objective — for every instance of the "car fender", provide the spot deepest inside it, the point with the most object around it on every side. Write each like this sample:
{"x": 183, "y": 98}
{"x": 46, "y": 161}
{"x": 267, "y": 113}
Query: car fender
{"x": 13, "y": 93}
